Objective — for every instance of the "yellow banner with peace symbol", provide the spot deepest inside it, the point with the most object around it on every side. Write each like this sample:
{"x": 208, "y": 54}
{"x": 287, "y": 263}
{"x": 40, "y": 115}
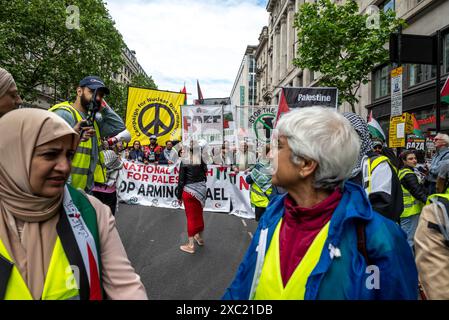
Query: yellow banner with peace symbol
{"x": 154, "y": 112}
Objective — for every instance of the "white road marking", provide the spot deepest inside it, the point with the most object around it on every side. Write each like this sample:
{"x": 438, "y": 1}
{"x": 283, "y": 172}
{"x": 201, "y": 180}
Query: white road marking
{"x": 244, "y": 223}
{"x": 250, "y": 234}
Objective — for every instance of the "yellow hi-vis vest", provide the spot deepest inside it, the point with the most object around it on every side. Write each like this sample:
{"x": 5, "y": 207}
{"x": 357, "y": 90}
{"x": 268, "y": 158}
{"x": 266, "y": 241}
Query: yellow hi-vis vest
{"x": 412, "y": 205}
{"x": 372, "y": 164}
{"x": 441, "y": 195}
{"x": 75, "y": 270}
{"x": 258, "y": 197}
{"x": 81, "y": 161}
{"x": 270, "y": 285}
{"x": 59, "y": 282}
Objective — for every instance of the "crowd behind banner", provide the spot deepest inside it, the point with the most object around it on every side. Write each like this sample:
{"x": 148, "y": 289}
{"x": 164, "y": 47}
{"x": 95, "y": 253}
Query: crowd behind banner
{"x": 237, "y": 174}
{"x": 149, "y": 176}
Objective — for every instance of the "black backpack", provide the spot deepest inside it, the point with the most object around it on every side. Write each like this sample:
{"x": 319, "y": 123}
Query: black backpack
{"x": 391, "y": 207}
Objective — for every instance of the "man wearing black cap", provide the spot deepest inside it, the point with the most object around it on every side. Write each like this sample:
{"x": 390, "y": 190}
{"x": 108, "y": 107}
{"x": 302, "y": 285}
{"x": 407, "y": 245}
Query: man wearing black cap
{"x": 88, "y": 164}
{"x": 153, "y": 150}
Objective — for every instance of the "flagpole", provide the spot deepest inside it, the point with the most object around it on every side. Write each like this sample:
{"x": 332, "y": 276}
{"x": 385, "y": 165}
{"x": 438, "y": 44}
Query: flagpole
{"x": 438, "y": 83}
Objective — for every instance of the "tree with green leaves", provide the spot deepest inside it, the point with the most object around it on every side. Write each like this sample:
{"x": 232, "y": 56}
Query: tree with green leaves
{"x": 342, "y": 44}
{"x": 57, "y": 43}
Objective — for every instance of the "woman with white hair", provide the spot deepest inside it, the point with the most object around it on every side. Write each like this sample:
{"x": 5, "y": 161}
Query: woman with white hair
{"x": 9, "y": 96}
{"x": 316, "y": 241}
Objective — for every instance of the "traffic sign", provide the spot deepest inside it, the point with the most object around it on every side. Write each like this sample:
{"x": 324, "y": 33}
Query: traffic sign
{"x": 396, "y": 92}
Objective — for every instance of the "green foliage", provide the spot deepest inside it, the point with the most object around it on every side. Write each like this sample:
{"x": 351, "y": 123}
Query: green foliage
{"x": 37, "y": 47}
{"x": 335, "y": 41}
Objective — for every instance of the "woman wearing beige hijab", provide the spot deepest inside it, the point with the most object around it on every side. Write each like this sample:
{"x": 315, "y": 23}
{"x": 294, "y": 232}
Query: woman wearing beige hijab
{"x": 55, "y": 242}
{"x": 9, "y": 96}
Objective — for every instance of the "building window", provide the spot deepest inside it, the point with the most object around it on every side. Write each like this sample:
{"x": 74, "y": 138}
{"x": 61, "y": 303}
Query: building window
{"x": 242, "y": 95}
{"x": 381, "y": 82}
{"x": 300, "y": 82}
{"x": 388, "y": 5}
{"x": 419, "y": 73}
{"x": 252, "y": 64}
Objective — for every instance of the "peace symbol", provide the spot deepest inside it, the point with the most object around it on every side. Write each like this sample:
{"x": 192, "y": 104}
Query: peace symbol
{"x": 266, "y": 120}
{"x": 156, "y": 127}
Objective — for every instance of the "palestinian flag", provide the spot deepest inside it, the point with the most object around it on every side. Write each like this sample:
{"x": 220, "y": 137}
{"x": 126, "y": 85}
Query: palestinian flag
{"x": 200, "y": 94}
{"x": 227, "y": 117}
{"x": 416, "y": 129}
{"x": 445, "y": 92}
{"x": 374, "y": 128}
{"x": 283, "y": 106}
{"x": 184, "y": 90}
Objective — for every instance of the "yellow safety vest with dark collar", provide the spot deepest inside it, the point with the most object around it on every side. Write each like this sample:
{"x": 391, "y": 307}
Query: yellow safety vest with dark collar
{"x": 412, "y": 205}
{"x": 372, "y": 164}
{"x": 71, "y": 274}
{"x": 271, "y": 287}
{"x": 81, "y": 161}
{"x": 258, "y": 197}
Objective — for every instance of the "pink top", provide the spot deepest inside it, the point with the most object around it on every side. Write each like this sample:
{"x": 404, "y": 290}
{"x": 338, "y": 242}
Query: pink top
{"x": 299, "y": 228}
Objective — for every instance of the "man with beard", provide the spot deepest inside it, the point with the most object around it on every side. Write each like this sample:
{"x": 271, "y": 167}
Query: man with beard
{"x": 88, "y": 166}
{"x": 168, "y": 155}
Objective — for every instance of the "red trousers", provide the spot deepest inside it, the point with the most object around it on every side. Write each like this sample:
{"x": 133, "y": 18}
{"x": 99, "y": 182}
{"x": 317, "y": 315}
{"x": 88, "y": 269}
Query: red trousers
{"x": 194, "y": 213}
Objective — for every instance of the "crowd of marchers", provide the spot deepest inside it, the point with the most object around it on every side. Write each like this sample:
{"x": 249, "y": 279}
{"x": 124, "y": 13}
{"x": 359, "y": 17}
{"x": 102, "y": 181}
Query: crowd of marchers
{"x": 340, "y": 215}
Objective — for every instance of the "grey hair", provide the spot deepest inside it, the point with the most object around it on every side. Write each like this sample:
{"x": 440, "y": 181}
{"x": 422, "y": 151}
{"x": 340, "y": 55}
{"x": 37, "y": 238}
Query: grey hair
{"x": 443, "y": 136}
{"x": 325, "y": 136}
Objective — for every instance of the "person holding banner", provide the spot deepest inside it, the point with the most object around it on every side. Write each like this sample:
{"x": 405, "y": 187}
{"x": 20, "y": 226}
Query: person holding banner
{"x": 244, "y": 157}
{"x": 168, "y": 155}
{"x": 153, "y": 150}
{"x": 192, "y": 192}
{"x": 56, "y": 242}
{"x": 318, "y": 240}
{"x": 136, "y": 154}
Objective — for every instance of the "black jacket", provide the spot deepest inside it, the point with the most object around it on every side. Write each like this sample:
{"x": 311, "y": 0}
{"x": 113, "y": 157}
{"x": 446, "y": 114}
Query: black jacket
{"x": 417, "y": 190}
{"x": 389, "y": 204}
{"x": 190, "y": 173}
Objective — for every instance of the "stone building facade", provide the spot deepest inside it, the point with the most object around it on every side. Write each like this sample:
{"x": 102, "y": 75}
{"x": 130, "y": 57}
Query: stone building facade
{"x": 278, "y": 45}
{"x": 244, "y": 90}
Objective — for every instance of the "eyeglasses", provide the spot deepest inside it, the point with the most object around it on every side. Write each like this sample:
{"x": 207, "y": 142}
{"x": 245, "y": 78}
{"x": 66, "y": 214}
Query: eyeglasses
{"x": 377, "y": 147}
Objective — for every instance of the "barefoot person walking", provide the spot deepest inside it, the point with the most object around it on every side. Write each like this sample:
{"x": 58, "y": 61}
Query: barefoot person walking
{"x": 192, "y": 191}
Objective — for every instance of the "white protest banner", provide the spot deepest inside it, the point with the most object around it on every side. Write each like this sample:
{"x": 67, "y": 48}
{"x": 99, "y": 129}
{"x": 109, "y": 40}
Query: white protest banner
{"x": 229, "y": 124}
{"x": 261, "y": 121}
{"x": 218, "y": 199}
{"x": 241, "y": 204}
{"x": 148, "y": 185}
{"x": 203, "y": 122}
{"x": 155, "y": 185}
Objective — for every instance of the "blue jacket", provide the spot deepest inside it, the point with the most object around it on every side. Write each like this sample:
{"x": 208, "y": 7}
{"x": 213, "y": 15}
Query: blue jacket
{"x": 346, "y": 276}
{"x": 136, "y": 155}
